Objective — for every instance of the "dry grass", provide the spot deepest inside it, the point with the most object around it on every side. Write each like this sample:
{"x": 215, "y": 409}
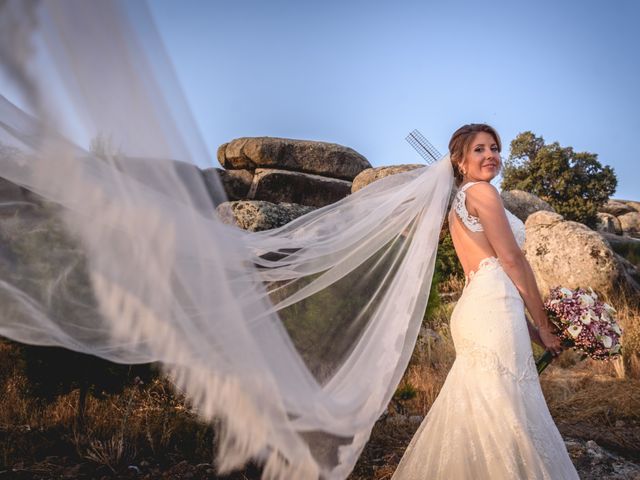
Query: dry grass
{"x": 144, "y": 422}
{"x": 451, "y": 288}
{"x": 582, "y": 396}
{"x": 628, "y": 314}
{"x": 430, "y": 362}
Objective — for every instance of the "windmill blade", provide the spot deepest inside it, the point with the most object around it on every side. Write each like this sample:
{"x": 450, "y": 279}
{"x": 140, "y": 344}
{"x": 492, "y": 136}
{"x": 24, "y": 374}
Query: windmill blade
{"x": 423, "y": 147}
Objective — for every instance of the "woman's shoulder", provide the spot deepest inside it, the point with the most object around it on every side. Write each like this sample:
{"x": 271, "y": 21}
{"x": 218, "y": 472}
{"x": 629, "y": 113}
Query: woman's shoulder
{"x": 481, "y": 193}
{"x": 481, "y": 187}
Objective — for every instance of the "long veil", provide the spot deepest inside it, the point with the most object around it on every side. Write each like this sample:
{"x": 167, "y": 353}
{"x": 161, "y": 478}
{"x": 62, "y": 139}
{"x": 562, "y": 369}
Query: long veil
{"x": 295, "y": 338}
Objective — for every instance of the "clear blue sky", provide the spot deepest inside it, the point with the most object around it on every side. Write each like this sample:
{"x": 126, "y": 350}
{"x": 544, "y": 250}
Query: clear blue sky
{"x": 364, "y": 73}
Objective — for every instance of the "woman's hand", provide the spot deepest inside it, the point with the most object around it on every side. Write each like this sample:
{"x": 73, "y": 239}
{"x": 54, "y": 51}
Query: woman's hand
{"x": 551, "y": 341}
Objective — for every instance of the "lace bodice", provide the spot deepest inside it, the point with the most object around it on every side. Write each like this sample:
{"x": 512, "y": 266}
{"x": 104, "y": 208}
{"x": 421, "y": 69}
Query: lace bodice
{"x": 473, "y": 223}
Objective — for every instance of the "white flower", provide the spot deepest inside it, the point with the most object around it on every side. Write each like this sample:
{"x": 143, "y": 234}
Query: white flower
{"x": 566, "y": 292}
{"x": 593, "y": 294}
{"x": 615, "y": 349}
{"x": 587, "y": 316}
{"x": 608, "y": 308}
{"x": 574, "y": 330}
{"x": 586, "y": 300}
{"x": 606, "y": 341}
{"x": 616, "y": 328}
{"x": 555, "y": 301}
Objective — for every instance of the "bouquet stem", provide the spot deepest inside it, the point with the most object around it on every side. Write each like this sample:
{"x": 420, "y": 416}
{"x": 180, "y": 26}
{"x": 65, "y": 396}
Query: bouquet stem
{"x": 545, "y": 359}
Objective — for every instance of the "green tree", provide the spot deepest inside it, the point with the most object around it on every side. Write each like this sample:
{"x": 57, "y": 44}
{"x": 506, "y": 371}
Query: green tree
{"x": 575, "y": 184}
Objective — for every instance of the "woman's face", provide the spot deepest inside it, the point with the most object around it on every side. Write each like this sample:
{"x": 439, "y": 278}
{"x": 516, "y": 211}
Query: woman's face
{"x": 482, "y": 161}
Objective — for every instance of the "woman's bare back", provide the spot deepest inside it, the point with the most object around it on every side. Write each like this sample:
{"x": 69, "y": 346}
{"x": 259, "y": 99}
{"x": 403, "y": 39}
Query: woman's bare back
{"x": 470, "y": 246}
{"x": 471, "y": 239}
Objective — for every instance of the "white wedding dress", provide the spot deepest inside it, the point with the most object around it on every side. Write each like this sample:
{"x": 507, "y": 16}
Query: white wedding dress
{"x": 490, "y": 420}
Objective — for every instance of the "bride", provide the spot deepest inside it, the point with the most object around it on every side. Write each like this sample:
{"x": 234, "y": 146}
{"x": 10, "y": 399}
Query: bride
{"x": 490, "y": 419}
{"x": 293, "y": 339}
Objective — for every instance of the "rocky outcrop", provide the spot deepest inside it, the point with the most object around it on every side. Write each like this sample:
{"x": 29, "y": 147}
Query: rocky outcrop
{"x": 255, "y": 215}
{"x": 370, "y": 175}
{"x": 626, "y": 218}
{"x": 285, "y": 170}
{"x": 627, "y": 251}
{"x": 236, "y": 183}
{"x": 522, "y": 204}
{"x": 632, "y": 204}
{"x": 609, "y": 223}
{"x": 615, "y": 208}
{"x": 280, "y": 186}
{"x": 570, "y": 254}
{"x": 10, "y": 191}
{"x": 596, "y": 463}
{"x": 320, "y": 158}
{"x": 630, "y": 224}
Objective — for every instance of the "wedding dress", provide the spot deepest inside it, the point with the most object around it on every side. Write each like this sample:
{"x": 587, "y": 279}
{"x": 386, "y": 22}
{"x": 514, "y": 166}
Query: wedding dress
{"x": 490, "y": 419}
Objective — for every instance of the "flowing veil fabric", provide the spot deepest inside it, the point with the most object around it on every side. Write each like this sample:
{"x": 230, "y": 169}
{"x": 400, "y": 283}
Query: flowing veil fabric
{"x": 296, "y": 337}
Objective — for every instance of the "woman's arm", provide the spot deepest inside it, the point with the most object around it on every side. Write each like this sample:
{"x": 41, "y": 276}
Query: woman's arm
{"x": 534, "y": 334}
{"x": 487, "y": 202}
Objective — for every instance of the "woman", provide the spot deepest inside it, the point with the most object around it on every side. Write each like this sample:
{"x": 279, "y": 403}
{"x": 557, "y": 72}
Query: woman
{"x": 490, "y": 419}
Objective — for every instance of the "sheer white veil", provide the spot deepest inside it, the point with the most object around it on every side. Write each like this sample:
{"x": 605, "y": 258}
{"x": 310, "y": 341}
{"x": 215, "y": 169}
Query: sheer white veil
{"x": 296, "y": 337}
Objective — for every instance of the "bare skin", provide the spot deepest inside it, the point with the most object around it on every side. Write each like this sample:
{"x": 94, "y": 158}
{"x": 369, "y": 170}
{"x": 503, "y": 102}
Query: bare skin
{"x": 481, "y": 164}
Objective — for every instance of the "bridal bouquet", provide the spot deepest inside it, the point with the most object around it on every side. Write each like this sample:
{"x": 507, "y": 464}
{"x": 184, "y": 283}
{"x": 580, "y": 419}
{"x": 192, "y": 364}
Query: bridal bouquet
{"x": 583, "y": 322}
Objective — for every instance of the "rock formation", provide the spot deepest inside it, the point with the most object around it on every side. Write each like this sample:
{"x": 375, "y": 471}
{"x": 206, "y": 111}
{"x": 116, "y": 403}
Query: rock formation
{"x": 370, "y": 175}
{"x": 608, "y": 223}
{"x": 522, "y": 204}
{"x": 285, "y": 170}
{"x": 572, "y": 255}
{"x": 321, "y": 158}
{"x": 630, "y": 224}
{"x": 621, "y": 217}
{"x": 255, "y": 215}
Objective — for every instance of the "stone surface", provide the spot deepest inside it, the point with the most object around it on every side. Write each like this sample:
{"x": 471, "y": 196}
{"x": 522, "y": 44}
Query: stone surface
{"x": 615, "y": 207}
{"x": 522, "y": 204}
{"x": 236, "y": 183}
{"x": 620, "y": 242}
{"x": 630, "y": 224}
{"x": 255, "y": 215}
{"x": 630, "y": 272}
{"x": 608, "y": 223}
{"x": 370, "y": 175}
{"x": 596, "y": 463}
{"x": 632, "y": 204}
{"x": 321, "y": 158}
{"x": 279, "y": 186}
{"x": 10, "y": 191}
{"x": 569, "y": 254}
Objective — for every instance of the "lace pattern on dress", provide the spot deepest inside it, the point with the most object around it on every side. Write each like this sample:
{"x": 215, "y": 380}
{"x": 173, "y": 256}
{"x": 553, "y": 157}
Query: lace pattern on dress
{"x": 487, "y": 360}
{"x": 473, "y": 223}
{"x": 488, "y": 263}
{"x": 460, "y": 207}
